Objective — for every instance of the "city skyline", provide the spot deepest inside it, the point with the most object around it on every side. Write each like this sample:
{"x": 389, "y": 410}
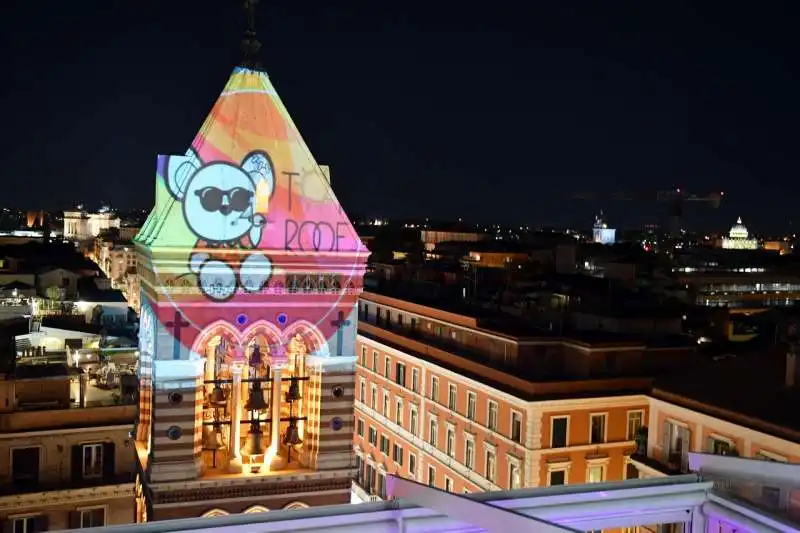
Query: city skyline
{"x": 703, "y": 101}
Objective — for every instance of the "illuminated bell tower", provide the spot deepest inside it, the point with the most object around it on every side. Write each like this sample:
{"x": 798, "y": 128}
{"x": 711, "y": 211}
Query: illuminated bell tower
{"x": 250, "y": 274}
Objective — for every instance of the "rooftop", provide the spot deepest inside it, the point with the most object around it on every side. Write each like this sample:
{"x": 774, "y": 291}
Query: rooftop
{"x": 750, "y": 385}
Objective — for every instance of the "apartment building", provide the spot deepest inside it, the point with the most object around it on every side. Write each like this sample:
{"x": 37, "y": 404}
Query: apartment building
{"x": 67, "y": 458}
{"x": 748, "y": 410}
{"x": 466, "y": 404}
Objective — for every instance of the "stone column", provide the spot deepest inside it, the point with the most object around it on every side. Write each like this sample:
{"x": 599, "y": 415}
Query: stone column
{"x": 234, "y": 451}
{"x": 277, "y": 462}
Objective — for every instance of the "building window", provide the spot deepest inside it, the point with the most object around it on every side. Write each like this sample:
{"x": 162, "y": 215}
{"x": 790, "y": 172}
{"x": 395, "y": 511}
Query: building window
{"x": 374, "y": 361}
{"x": 360, "y": 426}
{"x": 559, "y": 429}
{"x": 363, "y": 392}
{"x": 469, "y": 453}
{"x": 373, "y": 436}
{"x": 25, "y": 466}
{"x": 415, "y": 379}
{"x": 92, "y": 461}
{"x": 412, "y": 465}
{"x": 448, "y": 484}
{"x": 364, "y": 356}
{"x": 595, "y": 473}
{"x": 386, "y": 404}
{"x": 676, "y": 446}
{"x": 597, "y": 428}
{"x": 471, "y": 400}
{"x": 514, "y": 481}
{"x": 451, "y": 397}
{"x": 635, "y": 423}
{"x": 433, "y": 432}
{"x": 451, "y": 441}
{"x": 764, "y": 455}
{"x": 557, "y": 477}
{"x": 516, "y": 426}
{"x": 413, "y": 425}
{"x": 387, "y": 368}
{"x": 400, "y": 374}
{"x": 435, "y": 389}
{"x": 384, "y": 444}
{"x": 491, "y": 420}
{"x": 374, "y": 398}
{"x": 719, "y": 446}
{"x": 95, "y": 517}
{"x": 29, "y": 524}
{"x": 491, "y": 465}
{"x": 397, "y": 454}
{"x": 398, "y": 412}
{"x": 431, "y": 476}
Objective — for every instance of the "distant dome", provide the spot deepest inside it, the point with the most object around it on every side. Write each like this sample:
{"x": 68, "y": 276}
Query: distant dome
{"x": 738, "y": 230}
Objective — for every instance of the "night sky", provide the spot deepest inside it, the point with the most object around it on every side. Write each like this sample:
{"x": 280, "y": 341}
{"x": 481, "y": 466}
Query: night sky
{"x": 489, "y": 111}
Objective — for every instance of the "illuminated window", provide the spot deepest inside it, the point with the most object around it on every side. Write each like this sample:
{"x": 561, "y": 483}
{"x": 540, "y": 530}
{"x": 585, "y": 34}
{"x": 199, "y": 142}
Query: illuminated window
{"x": 435, "y": 389}
{"x": 448, "y": 484}
{"x": 397, "y": 455}
{"x": 415, "y": 379}
{"x": 451, "y": 397}
{"x": 514, "y": 478}
{"x": 595, "y": 473}
{"x": 387, "y": 368}
{"x": 364, "y": 356}
{"x": 374, "y": 361}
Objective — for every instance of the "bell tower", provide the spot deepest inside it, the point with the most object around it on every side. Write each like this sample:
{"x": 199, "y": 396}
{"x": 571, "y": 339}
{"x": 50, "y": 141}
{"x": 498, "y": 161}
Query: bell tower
{"x": 250, "y": 273}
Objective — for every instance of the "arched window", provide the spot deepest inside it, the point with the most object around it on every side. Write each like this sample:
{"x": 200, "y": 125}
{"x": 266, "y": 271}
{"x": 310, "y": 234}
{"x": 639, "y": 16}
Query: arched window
{"x": 215, "y": 512}
{"x": 296, "y": 505}
{"x": 256, "y": 509}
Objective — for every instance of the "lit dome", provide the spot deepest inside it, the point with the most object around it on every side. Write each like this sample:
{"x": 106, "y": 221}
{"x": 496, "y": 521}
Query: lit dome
{"x": 738, "y": 230}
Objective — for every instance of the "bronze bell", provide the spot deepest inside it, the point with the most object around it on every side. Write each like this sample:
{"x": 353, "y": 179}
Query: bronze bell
{"x": 256, "y": 401}
{"x": 212, "y": 438}
{"x": 292, "y": 435}
{"x": 293, "y": 394}
{"x": 254, "y": 445}
{"x": 217, "y": 398}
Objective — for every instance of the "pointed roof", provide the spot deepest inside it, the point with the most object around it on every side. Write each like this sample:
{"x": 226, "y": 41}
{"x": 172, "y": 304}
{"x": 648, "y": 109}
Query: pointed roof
{"x": 248, "y": 141}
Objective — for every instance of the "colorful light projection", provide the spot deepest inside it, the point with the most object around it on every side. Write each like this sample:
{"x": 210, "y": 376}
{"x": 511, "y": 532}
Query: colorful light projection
{"x": 246, "y": 222}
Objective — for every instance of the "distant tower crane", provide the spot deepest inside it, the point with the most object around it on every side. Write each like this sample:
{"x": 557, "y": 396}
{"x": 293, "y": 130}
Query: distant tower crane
{"x": 676, "y": 198}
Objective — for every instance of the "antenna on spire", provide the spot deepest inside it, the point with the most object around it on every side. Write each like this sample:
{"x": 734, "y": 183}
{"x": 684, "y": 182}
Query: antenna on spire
{"x": 250, "y": 43}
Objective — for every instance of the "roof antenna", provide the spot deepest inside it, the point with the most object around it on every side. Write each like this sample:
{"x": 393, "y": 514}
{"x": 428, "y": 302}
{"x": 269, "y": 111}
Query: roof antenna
{"x": 250, "y": 43}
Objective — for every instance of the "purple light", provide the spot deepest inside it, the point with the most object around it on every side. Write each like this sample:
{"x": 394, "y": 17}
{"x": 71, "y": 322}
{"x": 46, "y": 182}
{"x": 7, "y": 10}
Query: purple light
{"x": 241, "y": 319}
{"x": 282, "y": 318}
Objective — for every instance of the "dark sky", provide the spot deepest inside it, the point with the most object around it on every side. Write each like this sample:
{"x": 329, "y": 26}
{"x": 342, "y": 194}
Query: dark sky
{"x": 492, "y": 111}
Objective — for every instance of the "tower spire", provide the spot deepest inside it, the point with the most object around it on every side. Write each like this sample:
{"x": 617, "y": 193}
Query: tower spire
{"x": 250, "y": 43}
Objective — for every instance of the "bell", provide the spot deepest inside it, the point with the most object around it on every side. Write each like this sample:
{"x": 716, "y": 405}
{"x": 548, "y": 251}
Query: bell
{"x": 292, "y": 435}
{"x": 256, "y": 401}
{"x": 293, "y": 394}
{"x": 217, "y": 398}
{"x": 212, "y": 438}
{"x": 254, "y": 445}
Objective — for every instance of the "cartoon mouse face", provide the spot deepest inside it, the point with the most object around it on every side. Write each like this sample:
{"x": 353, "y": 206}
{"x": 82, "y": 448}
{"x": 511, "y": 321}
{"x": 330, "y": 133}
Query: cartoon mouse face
{"x": 219, "y": 198}
{"x": 219, "y": 203}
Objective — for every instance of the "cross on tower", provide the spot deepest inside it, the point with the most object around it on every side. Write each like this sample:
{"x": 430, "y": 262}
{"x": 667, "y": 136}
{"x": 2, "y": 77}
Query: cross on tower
{"x": 338, "y": 324}
{"x": 177, "y": 324}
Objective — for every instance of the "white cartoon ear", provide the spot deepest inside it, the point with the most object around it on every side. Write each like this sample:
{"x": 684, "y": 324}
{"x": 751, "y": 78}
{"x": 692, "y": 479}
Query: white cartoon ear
{"x": 179, "y": 170}
{"x": 259, "y": 167}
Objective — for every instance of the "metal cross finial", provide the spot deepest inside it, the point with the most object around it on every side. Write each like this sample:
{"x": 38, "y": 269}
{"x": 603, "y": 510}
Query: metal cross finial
{"x": 250, "y": 43}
